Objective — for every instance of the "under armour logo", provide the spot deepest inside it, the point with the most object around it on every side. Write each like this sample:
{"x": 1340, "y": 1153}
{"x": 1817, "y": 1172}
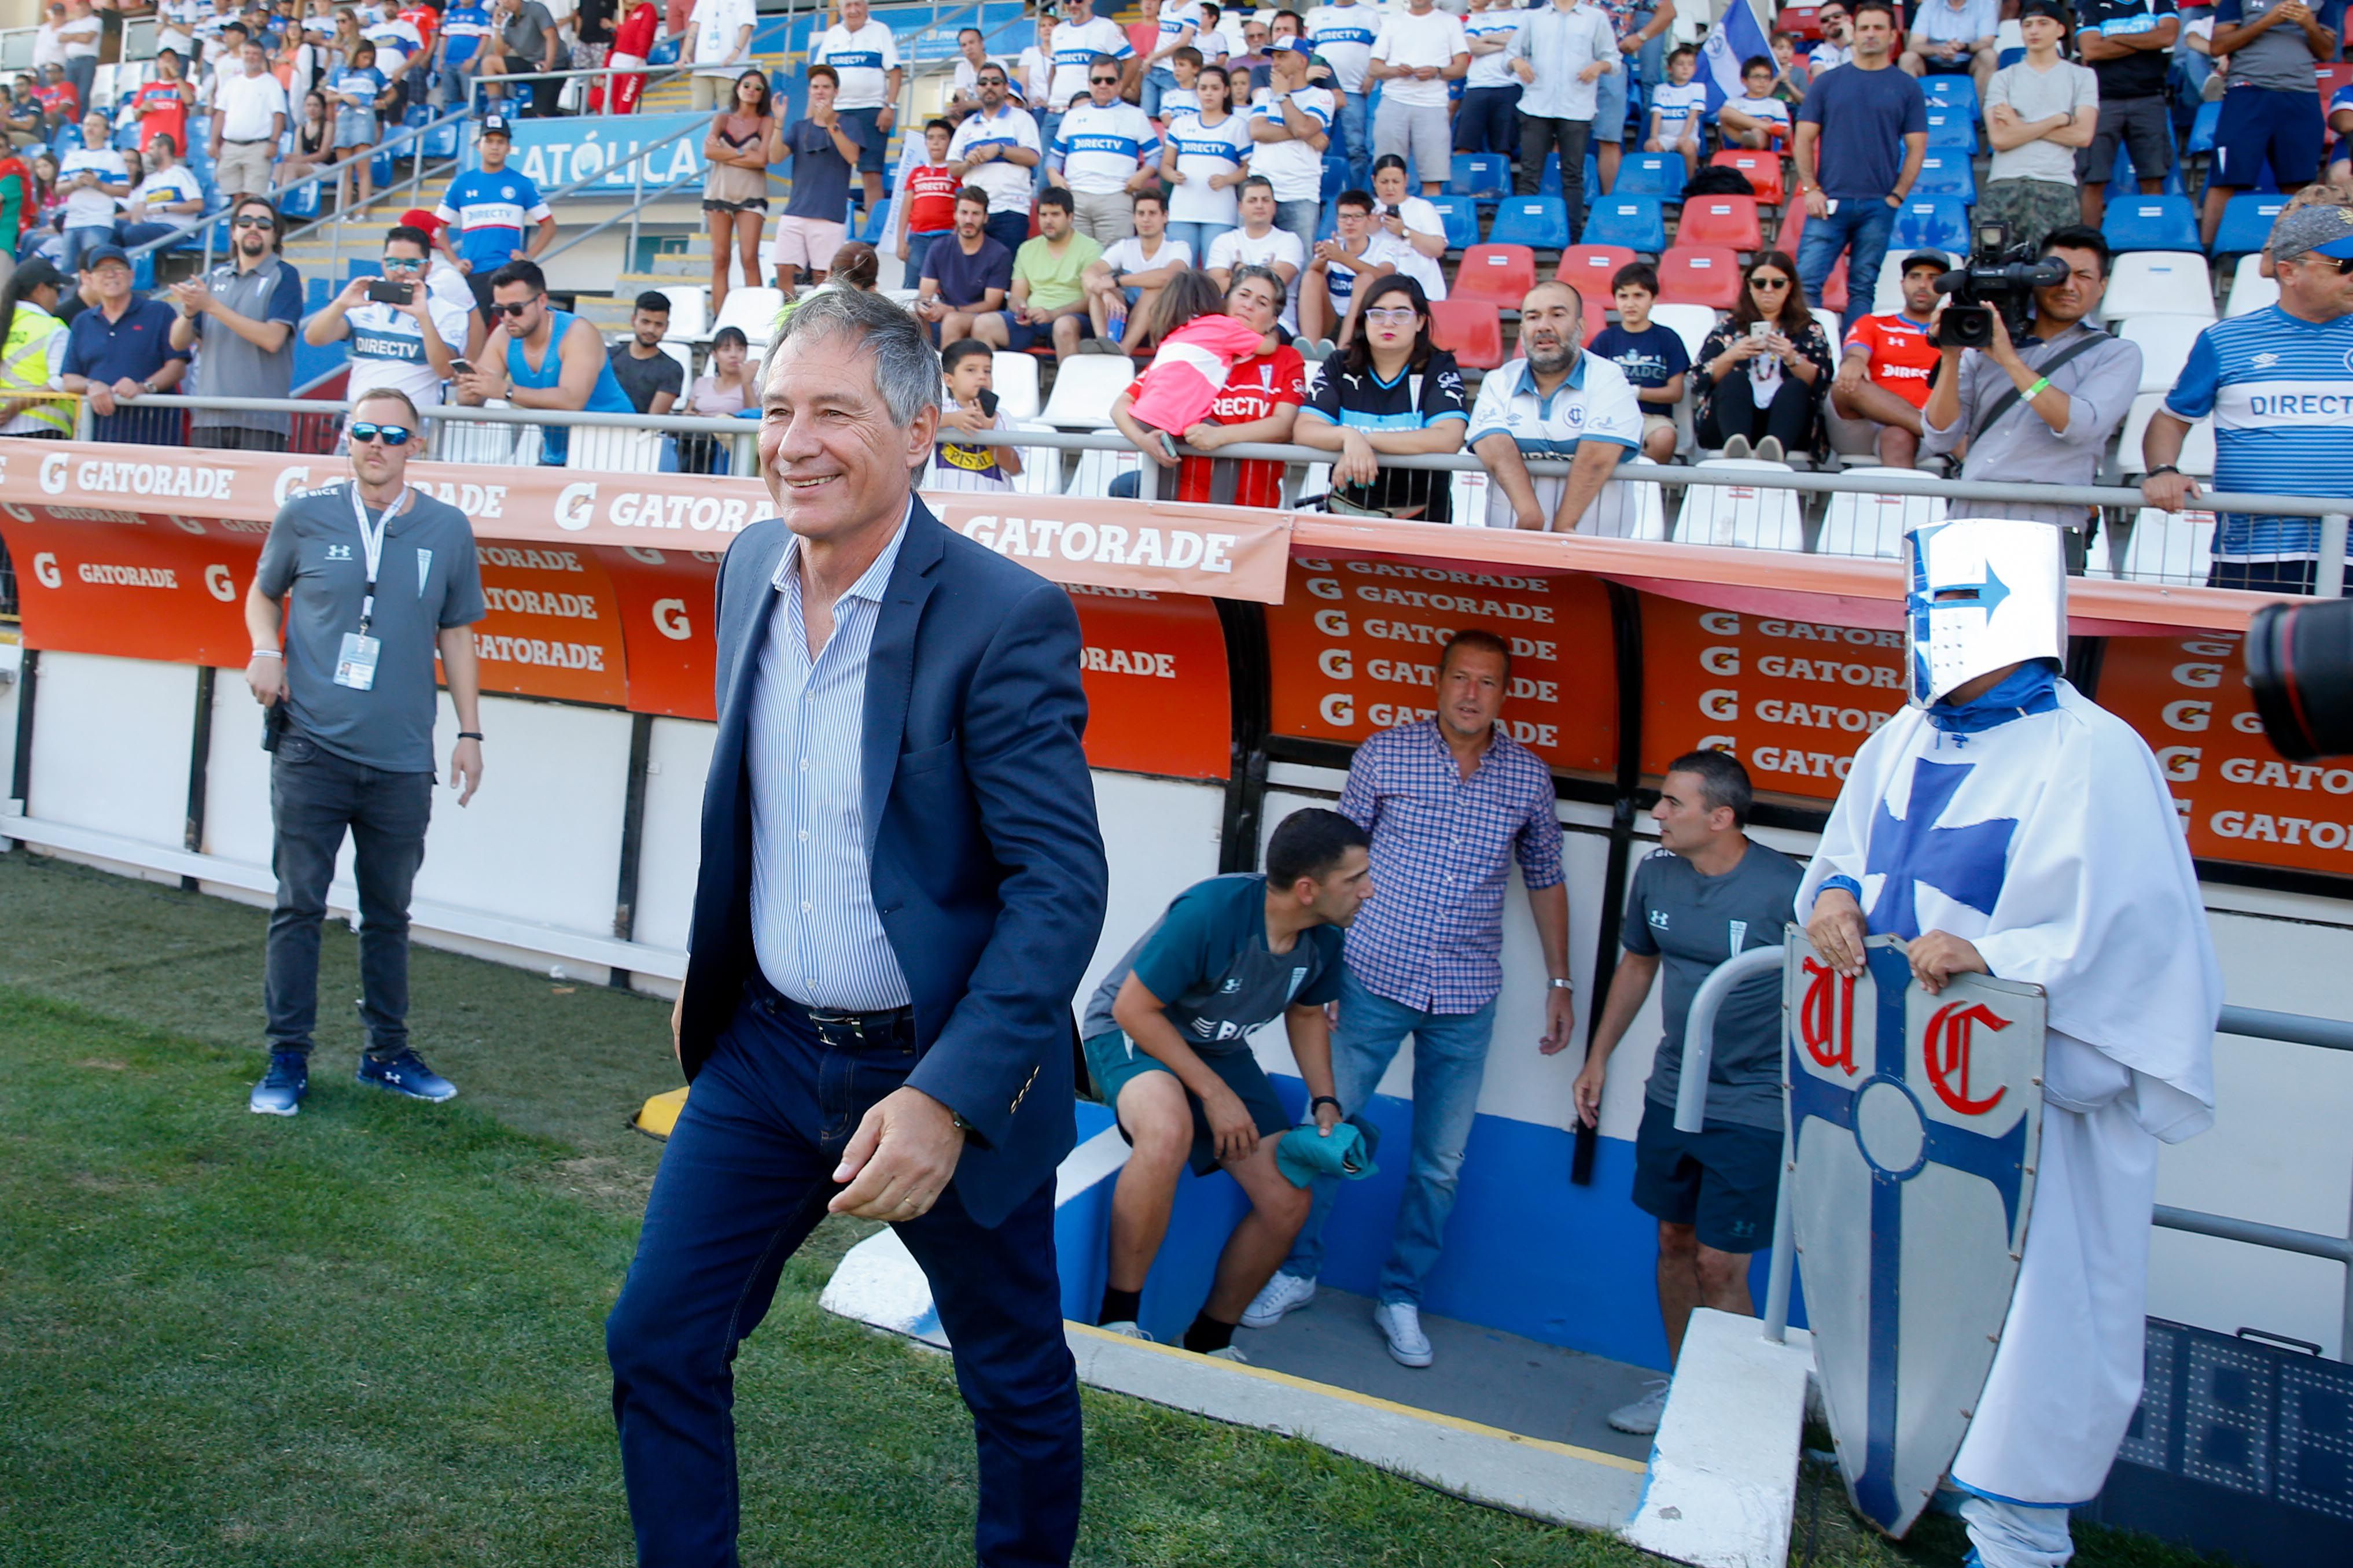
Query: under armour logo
{"x": 339, "y": 552}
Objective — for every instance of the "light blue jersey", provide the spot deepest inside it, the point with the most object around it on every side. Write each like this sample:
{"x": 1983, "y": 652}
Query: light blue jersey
{"x": 2281, "y": 392}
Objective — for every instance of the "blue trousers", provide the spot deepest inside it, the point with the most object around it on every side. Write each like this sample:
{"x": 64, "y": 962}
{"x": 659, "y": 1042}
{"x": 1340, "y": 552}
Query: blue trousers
{"x": 1489, "y": 121}
{"x": 1353, "y": 141}
{"x": 744, "y": 1180}
{"x": 1859, "y": 228}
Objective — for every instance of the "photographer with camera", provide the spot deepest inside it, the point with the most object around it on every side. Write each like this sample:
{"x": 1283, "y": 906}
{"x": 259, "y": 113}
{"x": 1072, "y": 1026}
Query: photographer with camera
{"x": 2035, "y": 399}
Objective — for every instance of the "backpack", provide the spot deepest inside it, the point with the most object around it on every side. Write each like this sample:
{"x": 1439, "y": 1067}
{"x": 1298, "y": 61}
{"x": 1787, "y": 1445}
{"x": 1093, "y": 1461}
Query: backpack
{"x": 1718, "y": 181}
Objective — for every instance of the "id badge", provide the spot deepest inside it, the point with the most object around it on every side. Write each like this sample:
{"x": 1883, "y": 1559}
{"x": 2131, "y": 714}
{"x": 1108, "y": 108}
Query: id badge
{"x": 355, "y": 666}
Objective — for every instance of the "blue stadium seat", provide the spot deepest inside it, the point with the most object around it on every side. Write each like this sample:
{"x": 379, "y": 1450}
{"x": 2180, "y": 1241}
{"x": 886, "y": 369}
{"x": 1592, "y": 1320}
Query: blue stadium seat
{"x": 142, "y": 271}
{"x": 1550, "y": 185}
{"x": 1638, "y": 222}
{"x": 1486, "y": 175}
{"x": 301, "y": 203}
{"x": 1935, "y": 224}
{"x": 1952, "y": 93}
{"x": 1336, "y": 179}
{"x": 312, "y": 362}
{"x": 2151, "y": 223}
{"x": 1946, "y": 173}
{"x": 1461, "y": 215}
{"x": 2123, "y": 180}
{"x": 665, "y": 53}
{"x": 316, "y": 292}
{"x": 1540, "y": 223}
{"x": 2246, "y": 224}
{"x": 126, "y": 137}
{"x": 384, "y": 168}
{"x": 1328, "y": 225}
{"x": 2201, "y": 130}
{"x": 360, "y": 268}
{"x": 1951, "y": 128}
{"x": 1651, "y": 174}
{"x": 2008, "y": 57}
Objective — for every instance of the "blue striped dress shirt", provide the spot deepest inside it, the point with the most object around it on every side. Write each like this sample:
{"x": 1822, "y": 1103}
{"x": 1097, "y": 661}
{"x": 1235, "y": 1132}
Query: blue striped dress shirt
{"x": 814, "y": 925}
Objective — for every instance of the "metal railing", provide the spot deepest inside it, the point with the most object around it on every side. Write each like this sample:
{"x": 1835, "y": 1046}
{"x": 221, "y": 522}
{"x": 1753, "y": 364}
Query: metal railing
{"x": 2253, "y": 1023}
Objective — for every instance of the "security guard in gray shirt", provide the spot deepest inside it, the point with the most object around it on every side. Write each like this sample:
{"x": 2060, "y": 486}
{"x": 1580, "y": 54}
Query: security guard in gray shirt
{"x": 2042, "y": 411}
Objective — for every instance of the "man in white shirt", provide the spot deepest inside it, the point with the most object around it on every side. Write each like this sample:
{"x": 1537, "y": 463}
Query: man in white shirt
{"x": 996, "y": 148}
{"x": 1837, "y": 46}
{"x": 1034, "y": 75}
{"x": 1179, "y": 22}
{"x": 720, "y": 45}
{"x": 48, "y": 41}
{"x": 408, "y": 345}
{"x": 1124, "y": 282}
{"x": 1559, "y": 402}
{"x": 866, "y": 54}
{"x": 91, "y": 176}
{"x": 79, "y": 35}
{"x": 168, "y": 201}
{"x": 1487, "y": 120}
{"x": 1107, "y": 151}
{"x": 1343, "y": 32}
{"x": 1415, "y": 53}
{"x": 1082, "y": 37}
{"x": 963, "y": 85}
{"x": 248, "y": 117}
{"x": 1258, "y": 242}
{"x": 1288, "y": 135}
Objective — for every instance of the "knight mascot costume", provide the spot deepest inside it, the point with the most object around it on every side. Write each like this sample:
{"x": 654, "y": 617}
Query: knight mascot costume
{"x": 2004, "y": 825}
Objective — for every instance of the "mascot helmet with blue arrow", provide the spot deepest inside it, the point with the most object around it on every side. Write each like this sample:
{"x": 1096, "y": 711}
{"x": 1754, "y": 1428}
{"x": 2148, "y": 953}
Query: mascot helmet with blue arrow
{"x": 1981, "y": 594}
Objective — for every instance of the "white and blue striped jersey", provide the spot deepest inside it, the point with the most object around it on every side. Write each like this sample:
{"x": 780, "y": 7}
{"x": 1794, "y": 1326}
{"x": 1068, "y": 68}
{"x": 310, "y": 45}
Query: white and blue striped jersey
{"x": 1296, "y": 167}
{"x": 1203, "y": 151}
{"x": 2281, "y": 392}
{"x": 1343, "y": 36}
{"x": 1098, "y": 147}
{"x": 1175, "y": 18}
{"x": 865, "y": 59}
{"x": 1492, "y": 71}
{"x": 1075, "y": 50}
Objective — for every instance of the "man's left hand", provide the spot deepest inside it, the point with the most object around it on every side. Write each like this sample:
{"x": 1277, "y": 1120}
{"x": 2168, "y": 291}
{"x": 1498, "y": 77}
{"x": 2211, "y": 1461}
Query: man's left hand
{"x": 466, "y": 769}
{"x": 192, "y": 296}
{"x": 1560, "y": 1020}
{"x": 2001, "y": 351}
{"x": 886, "y": 118}
{"x": 1939, "y": 955}
{"x": 900, "y": 1158}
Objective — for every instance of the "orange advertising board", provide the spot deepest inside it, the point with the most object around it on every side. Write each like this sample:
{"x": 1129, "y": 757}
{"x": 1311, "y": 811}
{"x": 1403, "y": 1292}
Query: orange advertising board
{"x": 667, "y": 600}
{"x": 1225, "y": 552}
{"x": 1793, "y": 699}
{"x": 554, "y": 628}
{"x": 1355, "y": 647}
{"x": 2239, "y": 799}
{"x": 95, "y": 580}
{"x": 1154, "y": 671}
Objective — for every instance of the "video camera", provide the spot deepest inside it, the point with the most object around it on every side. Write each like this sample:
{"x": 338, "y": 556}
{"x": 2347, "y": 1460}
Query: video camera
{"x": 1999, "y": 277}
{"x": 2300, "y": 669}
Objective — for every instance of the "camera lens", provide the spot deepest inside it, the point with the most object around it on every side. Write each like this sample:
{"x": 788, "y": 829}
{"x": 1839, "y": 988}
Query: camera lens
{"x": 2300, "y": 668}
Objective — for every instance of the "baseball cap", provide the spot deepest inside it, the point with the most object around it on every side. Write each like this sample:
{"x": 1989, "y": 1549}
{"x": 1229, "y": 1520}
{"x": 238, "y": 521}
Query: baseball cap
{"x": 32, "y": 274}
{"x": 1935, "y": 258}
{"x": 2327, "y": 230}
{"x": 495, "y": 125}
{"x": 1290, "y": 47}
{"x": 417, "y": 217}
{"x": 97, "y": 254}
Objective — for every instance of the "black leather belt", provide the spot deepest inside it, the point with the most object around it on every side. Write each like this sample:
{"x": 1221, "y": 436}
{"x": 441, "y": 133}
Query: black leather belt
{"x": 892, "y": 1026}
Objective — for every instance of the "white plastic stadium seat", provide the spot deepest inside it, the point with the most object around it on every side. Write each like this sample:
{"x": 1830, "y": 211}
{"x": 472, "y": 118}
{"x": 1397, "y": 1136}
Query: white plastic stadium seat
{"x": 1041, "y": 467}
{"x": 1743, "y": 517}
{"x": 1097, "y": 469}
{"x": 2158, "y": 283}
{"x": 2197, "y": 448}
{"x": 2249, "y": 290}
{"x": 1690, "y": 322}
{"x": 2169, "y": 547}
{"x": 1872, "y": 523}
{"x": 683, "y": 353}
{"x": 1014, "y": 378}
{"x": 1629, "y": 507}
{"x": 1833, "y": 332}
{"x": 1887, "y": 293}
{"x": 1467, "y": 498}
{"x": 614, "y": 449}
{"x": 753, "y": 312}
{"x": 689, "y": 313}
{"x": 1084, "y": 389}
{"x": 2165, "y": 342}
{"x": 486, "y": 441}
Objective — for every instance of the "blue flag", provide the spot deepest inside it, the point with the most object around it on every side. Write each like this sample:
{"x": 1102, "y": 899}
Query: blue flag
{"x": 1739, "y": 36}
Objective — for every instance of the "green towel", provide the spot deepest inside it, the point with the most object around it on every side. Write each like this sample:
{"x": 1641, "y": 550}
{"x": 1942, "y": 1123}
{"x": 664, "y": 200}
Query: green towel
{"x": 1304, "y": 1154}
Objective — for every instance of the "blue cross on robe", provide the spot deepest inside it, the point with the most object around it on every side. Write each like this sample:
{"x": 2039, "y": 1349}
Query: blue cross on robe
{"x": 1966, "y": 864}
{"x": 1996, "y": 1160}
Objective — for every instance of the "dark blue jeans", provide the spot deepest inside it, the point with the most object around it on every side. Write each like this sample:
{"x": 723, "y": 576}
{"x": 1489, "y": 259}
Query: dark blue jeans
{"x": 745, "y": 1178}
{"x": 1859, "y": 227}
{"x": 1009, "y": 229}
{"x": 1489, "y": 121}
{"x": 315, "y": 796}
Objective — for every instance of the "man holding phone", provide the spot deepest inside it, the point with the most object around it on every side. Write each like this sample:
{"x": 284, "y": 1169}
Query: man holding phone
{"x": 403, "y": 335}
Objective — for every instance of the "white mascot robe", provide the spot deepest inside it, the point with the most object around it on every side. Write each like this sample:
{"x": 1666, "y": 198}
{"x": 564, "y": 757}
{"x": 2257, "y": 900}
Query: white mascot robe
{"x": 2098, "y": 905}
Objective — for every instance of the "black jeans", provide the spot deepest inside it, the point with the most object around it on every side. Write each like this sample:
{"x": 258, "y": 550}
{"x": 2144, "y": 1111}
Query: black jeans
{"x": 1539, "y": 136}
{"x": 314, "y": 796}
{"x": 1789, "y": 415}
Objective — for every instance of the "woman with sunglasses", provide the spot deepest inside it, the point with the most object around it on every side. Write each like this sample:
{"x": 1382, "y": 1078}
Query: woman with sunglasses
{"x": 735, "y": 186}
{"x": 1391, "y": 394}
{"x": 1763, "y": 372}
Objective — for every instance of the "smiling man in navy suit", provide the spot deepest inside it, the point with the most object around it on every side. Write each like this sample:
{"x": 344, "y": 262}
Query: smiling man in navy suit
{"x": 901, "y": 881}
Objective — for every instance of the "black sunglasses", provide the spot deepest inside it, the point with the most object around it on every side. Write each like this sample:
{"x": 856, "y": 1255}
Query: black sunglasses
{"x": 519, "y": 307}
{"x": 390, "y": 435}
{"x": 1103, "y": 81}
{"x": 1768, "y": 282}
{"x": 255, "y": 223}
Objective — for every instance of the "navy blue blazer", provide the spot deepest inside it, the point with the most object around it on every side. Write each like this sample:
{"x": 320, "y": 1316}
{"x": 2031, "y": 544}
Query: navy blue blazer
{"x": 987, "y": 862}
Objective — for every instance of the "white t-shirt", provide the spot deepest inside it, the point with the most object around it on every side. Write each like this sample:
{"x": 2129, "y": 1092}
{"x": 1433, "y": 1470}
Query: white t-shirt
{"x": 1008, "y": 185}
{"x": 1492, "y": 70}
{"x": 1214, "y": 45}
{"x": 1296, "y": 167}
{"x": 246, "y": 104}
{"x": 1127, "y": 255}
{"x": 165, "y": 186}
{"x": 1075, "y": 50}
{"x": 92, "y": 209}
{"x": 1420, "y": 217}
{"x": 1433, "y": 38}
{"x": 1765, "y": 108}
{"x": 1679, "y": 108}
{"x": 1203, "y": 151}
{"x": 1101, "y": 148}
{"x": 1235, "y": 248}
{"x": 1343, "y": 36}
{"x": 387, "y": 348}
{"x": 865, "y": 59}
{"x": 1175, "y": 16}
{"x": 1177, "y": 101}
{"x": 715, "y": 24}
{"x": 79, "y": 38}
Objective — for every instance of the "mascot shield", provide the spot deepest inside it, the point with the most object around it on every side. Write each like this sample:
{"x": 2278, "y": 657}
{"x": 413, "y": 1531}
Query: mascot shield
{"x": 1981, "y": 594}
{"x": 1915, "y": 1122}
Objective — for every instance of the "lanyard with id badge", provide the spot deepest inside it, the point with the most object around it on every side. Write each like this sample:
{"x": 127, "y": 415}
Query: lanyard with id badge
{"x": 355, "y": 663}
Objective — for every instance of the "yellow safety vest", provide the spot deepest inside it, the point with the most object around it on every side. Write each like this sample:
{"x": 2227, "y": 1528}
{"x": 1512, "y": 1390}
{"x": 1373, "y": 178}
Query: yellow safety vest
{"x": 24, "y": 364}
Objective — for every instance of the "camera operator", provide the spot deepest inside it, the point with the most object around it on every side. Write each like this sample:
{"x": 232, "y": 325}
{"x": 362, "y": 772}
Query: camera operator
{"x": 2042, "y": 410}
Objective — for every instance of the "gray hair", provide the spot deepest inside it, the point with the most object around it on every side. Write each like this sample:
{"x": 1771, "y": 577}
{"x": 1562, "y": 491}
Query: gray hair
{"x": 906, "y": 366}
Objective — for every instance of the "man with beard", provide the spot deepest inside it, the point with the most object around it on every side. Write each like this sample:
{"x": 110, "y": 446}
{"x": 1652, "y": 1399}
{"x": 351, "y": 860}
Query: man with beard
{"x": 1559, "y": 402}
{"x": 240, "y": 318}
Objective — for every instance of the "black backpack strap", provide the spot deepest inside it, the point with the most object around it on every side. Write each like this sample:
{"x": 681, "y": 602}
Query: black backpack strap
{"x": 2091, "y": 339}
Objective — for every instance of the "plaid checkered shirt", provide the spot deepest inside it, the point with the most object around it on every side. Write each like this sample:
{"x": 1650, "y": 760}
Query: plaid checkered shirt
{"x": 1432, "y": 935}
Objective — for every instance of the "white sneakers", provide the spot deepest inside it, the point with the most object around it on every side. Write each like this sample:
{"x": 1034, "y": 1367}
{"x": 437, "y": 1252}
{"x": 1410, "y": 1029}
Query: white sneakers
{"x": 1284, "y": 1293}
{"x": 1229, "y": 1353}
{"x": 1641, "y": 1418}
{"x": 1400, "y": 1324}
{"x": 1126, "y": 1329}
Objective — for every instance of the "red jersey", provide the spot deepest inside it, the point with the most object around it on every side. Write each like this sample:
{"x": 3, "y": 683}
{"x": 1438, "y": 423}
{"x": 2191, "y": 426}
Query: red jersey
{"x": 1254, "y": 389}
{"x": 635, "y": 36}
{"x": 1903, "y": 361}
{"x": 424, "y": 18}
{"x": 930, "y": 198}
{"x": 59, "y": 98}
{"x": 162, "y": 111}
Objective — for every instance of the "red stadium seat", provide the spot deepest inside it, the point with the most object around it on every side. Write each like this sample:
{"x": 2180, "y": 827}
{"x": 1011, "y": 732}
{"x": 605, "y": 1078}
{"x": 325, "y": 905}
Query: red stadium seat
{"x": 1501, "y": 275}
{"x": 1792, "y": 225}
{"x": 1727, "y": 221}
{"x": 1591, "y": 267}
{"x": 1763, "y": 171}
{"x": 1700, "y": 275}
{"x": 1806, "y": 21}
{"x": 1834, "y": 287}
{"x": 1596, "y": 314}
{"x": 1469, "y": 331}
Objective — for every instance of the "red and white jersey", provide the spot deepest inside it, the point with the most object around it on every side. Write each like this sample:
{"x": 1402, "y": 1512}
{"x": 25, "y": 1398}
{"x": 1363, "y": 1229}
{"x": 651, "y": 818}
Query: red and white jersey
{"x": 1903, "y": 361}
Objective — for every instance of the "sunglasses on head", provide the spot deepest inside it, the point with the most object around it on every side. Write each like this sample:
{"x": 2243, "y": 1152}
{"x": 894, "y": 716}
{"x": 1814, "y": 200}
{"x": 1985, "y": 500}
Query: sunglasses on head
{"x": 518, "y": 308}
{"x": 390, "y": 435}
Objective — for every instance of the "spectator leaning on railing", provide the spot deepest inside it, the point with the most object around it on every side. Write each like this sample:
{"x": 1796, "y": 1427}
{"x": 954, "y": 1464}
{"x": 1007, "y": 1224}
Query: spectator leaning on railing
{"x": 2040, "y": 411}
{"x": 1559, "y": 403}
{"x": 240, "y": 319}
{"x": 119, "y": 350}
{"x": 542, "y": 358}
{"x": 1391, "y": 394}
{"x": 2276, "y": 384}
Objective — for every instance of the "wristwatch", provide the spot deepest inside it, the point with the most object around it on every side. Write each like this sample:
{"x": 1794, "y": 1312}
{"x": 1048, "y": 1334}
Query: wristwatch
{"x": 1559, "y": 985}
{"x": 2160, "y": 469}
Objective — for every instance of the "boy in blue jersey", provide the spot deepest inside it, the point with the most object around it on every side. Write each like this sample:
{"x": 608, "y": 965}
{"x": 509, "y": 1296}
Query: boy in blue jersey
{"x": 2279, "y": 386}
{"x": 1167, "y": 1042}
{"x": 490, "y": 209}
{"x": 1653, "y": 357}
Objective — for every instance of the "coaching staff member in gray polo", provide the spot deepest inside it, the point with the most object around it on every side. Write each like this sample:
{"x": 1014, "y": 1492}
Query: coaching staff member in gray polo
{"x": 369, "y": 580}
{"x": 902, "y": 883}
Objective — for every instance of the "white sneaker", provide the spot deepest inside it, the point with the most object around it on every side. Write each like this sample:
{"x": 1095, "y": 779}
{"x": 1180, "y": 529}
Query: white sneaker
{"x": 1229, "y": 1353}
{"x": 1641, "y": 1418}
{"x": 1400, "y": 1324}
{"x": 1284, "y": 1293}
{"x": 1127, "y": 1328}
